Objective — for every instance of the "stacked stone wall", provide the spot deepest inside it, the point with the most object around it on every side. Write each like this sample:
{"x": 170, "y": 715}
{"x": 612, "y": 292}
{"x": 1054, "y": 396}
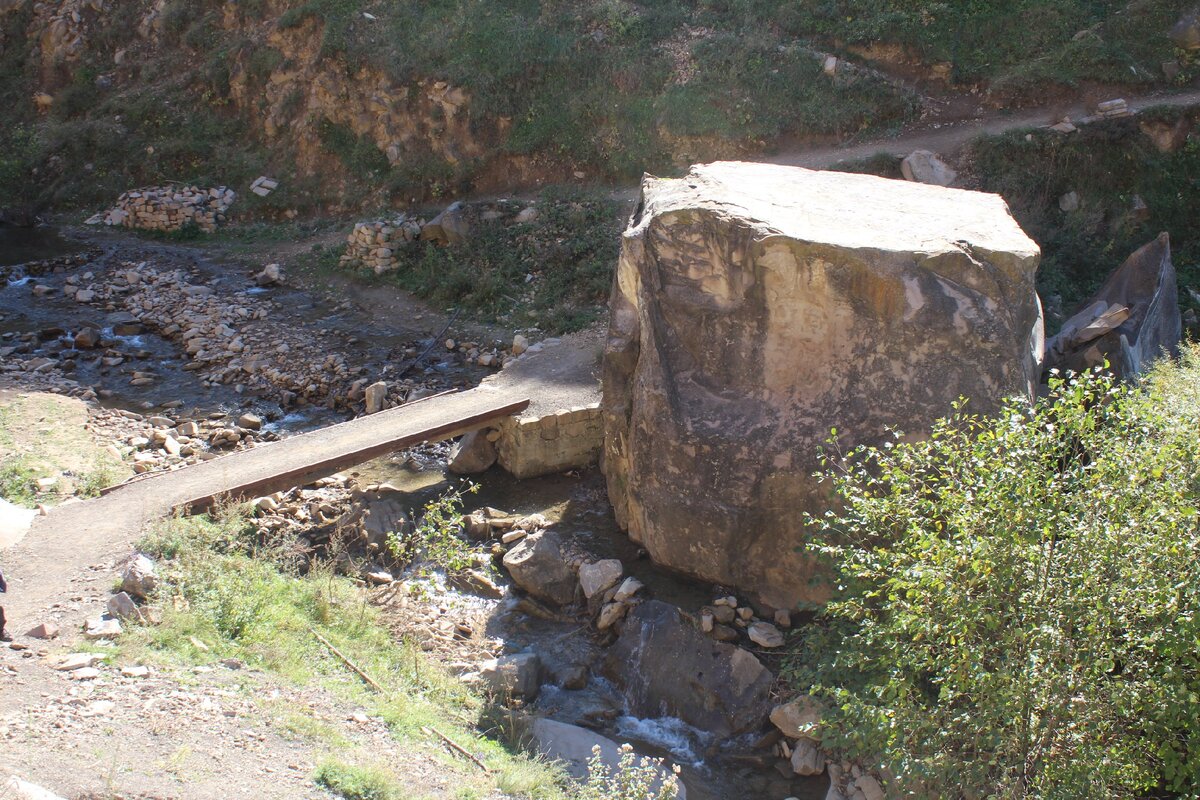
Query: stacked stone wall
{"x": 374, "y": 245}
{"x": 171, "y": 208}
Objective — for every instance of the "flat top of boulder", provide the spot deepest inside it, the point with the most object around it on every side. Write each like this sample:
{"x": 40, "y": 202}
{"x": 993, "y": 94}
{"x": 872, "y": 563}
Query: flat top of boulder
{"x": 842, "y": 209}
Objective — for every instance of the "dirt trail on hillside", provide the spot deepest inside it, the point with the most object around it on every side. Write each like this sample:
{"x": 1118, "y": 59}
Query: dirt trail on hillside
{"x": 943, "y": 137}
{"x": 947, "y": 137}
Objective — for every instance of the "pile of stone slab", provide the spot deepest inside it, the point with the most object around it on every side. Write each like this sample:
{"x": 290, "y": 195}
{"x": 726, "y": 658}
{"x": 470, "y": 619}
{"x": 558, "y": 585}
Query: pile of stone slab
{"x": 1113, "y": 109}
{"x": 170, "y": 208}
{"x": 375, "y": 245}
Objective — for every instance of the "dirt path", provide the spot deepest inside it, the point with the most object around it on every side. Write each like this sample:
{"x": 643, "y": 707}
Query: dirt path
{"x": 945, "y": 138}
{"x": 940, "y": 136}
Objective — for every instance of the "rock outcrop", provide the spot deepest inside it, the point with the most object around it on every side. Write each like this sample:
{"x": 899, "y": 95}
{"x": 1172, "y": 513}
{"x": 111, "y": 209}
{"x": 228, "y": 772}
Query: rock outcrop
{"x": 757, "y": 307}
{"x": 1130, "y": 322}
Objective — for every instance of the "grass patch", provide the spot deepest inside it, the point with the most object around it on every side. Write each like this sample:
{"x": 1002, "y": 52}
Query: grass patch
{"x": 227, "y": 593}
{"x": 43, "y": 436}
{"x": 18, "y": 484}
{"x": 1061, "y": 41}
{"x": 570, "y": 251}
{"x": 1107, "y": 164}
{"x": 358, "y": 782}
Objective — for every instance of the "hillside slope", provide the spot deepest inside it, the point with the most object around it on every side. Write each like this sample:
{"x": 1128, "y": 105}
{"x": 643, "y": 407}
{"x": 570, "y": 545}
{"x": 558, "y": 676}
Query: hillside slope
{"x": 367, "y": 102}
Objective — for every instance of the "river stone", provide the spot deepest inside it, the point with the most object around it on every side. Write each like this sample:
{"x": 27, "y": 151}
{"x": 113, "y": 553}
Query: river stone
{"x": 923, "y": 166}
{"x": 668, "y": 667}
{"x": 807, "y": 759}
{"x": 374, "y": 396}
{"x": 87, "y": 338}
{"x": 536, "y": 564}
{"x": 473, "y": 454}
{"x": 599, "y": 576}
{"x": 764, "y": 634}
{"x": 798, "y": 718}
{"x": 758, "y": 306}
{"x": 517, "y": 675}
{"x": 574, "y": 746}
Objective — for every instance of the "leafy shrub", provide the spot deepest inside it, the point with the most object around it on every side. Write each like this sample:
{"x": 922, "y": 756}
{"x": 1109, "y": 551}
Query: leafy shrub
{"x": 1014, "y": 598}
{"x": 633, "y": 778}
{"x": 436, "y": 541}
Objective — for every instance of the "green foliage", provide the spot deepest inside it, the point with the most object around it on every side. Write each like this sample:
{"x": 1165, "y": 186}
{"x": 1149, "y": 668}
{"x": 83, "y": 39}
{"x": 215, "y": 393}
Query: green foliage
{"x": 632, "y": 778}
{"x": 1060, "y": 40}
{"x": 1013, "y": 597}
{"x": 18, "y": 484}
{"x": 570, "y": 250}
{"x": 358, "y": 782}
{"x": 1107, "y": 164}
{"x": 436, "y": 540}
{"x": 358, "y": 154}
{"x": 747, "y": 86}
{"x": 20, "y": 150}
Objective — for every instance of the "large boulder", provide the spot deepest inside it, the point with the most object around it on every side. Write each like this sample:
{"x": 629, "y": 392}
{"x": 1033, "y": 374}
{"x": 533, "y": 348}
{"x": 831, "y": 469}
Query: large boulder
{"x": 537, "y": 565}
{"x": 755, "y": 308}
{"x": 473, "y": 454}
{"x": 1131, "y": 321}
{"x": 668, "y": 667}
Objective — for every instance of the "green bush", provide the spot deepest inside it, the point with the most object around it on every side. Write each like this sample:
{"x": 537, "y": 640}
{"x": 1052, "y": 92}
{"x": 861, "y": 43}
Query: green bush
{"x": 1014, "y": 607}
{"x": 436, "y": 541}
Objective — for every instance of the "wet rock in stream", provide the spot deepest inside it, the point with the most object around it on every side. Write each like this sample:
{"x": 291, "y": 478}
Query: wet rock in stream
{"x": 668, "y": 666}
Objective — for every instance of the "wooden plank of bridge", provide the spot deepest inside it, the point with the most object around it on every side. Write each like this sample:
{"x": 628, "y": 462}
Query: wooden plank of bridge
{"x": 90, "y": 531}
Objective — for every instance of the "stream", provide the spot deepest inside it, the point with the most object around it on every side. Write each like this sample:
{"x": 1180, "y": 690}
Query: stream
{"x": 575, "y": 504}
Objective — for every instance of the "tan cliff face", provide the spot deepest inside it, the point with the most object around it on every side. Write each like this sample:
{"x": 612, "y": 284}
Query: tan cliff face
{"x": 410, "y": 123}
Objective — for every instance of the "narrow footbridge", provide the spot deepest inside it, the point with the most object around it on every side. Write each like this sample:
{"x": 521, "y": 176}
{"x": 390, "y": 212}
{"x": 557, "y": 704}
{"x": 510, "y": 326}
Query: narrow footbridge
{"x": 302, "y": 459}
{"x": 88, "y": 531}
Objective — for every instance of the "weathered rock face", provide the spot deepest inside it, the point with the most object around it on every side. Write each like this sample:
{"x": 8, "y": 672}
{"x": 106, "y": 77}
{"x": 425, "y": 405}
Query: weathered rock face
{"x": 1130, "y": 322}
{"x": 757, "y": 307}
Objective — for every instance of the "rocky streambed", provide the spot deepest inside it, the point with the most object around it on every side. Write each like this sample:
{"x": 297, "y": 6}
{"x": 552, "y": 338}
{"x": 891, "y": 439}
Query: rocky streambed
{"x": 557, "y": 615}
